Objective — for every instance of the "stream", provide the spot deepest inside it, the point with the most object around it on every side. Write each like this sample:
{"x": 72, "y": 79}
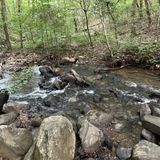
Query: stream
{"x": 119, "y": 93}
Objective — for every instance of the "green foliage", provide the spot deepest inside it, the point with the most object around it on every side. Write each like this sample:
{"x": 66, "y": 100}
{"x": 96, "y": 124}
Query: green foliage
{"x": 47, "y": 23}
{"x": 148, "y": 50}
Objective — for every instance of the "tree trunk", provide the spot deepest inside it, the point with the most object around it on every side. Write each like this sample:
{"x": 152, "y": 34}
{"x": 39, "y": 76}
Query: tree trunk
{"x": 5, "y": 27}
{"x": 148, "y": 12}
{"x": 114, "y": 23}
{"x": 141, "y": 8}
{"x": 75, "y": 24}
{"x": 19, "y": 2}
{"x": 85, "y": 10}
{"x": 133, "y": 14}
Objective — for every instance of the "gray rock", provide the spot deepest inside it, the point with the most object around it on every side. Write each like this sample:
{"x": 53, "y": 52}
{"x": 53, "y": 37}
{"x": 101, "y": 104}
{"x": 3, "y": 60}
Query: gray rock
{"x": 98, "y": 118}
{"x": 124, "y": 153}
{"x": 8, "y": 118}
{"x": 56, "y": 140}
{"x": 156, "y": 111}
{"x": 148, "y": 135}
{"x": 145, "y": 150}
{"x": 145, "y": 110}
{"x": 119, "y": 126}
{"x": 67, "y": 61}
{"x": 14, "y": 106}
{"x": 91, "y": 137}
{"x": 14, "y": 142}
{"x": 151, "y": 123}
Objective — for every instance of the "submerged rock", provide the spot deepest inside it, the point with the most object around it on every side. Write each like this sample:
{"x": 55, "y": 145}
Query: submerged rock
{"x": 145, "y": 150}
{"x": 154, "y": 95}
{"x": 91, "y": 137}
{"x": 8, "y": 118}
{"x": 111, "y": 143}
{"x": 124, "y": 153}
{"x": 152, "y": 123}
{"x": 56, "y": 140}
{"x": 119, "y": 126}
{"x": 14, "y": 143}
{"x": 53, "y": 100}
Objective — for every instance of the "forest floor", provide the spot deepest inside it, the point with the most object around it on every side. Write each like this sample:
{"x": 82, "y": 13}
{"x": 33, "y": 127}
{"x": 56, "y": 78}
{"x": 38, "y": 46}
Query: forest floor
{"x": 86, "y": 55}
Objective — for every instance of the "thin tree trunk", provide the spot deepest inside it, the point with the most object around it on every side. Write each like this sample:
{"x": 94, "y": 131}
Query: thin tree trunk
{"x": 148, "y": 13}
{"x": 19, "y": 2}
{"x": 141, "y": 8}
{"x": 114, "y": 24}
{"x": 5, "y": 27}
{"x": 133, "y": 14}
{"x": 20, "y": 23}
{"x": 106, "y": 37}
{"x": 30, "y": 26}
{"x": 75, "y": 25}
{"x": 85, "y": 10}
{"x": 105, "y": 32}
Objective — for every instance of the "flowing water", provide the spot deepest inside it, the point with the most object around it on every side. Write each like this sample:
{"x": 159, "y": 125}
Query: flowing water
{"x": 119, "y": 93}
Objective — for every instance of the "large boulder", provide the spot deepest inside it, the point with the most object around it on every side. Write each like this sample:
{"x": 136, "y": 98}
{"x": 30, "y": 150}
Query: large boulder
{"x": 8, "y": 118}
{"x": 145, "y": 150}
{"x": 14, "y": 143}
{"x": 4, "y": 96}
{"x": 151, "y": 123}
{"x": 56, "y": 140}
{"x": 91, "y": 137}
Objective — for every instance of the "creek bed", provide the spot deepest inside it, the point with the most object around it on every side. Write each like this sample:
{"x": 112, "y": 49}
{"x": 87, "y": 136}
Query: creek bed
{"x": 119, "y": 93}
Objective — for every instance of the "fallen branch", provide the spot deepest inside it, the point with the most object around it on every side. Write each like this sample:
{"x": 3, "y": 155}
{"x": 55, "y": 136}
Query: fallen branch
{"x": 105, "y": 70}
{"x": 79, "y": 79}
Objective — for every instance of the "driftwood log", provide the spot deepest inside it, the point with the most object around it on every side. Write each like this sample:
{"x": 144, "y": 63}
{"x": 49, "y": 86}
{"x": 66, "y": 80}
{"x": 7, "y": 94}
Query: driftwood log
{"x": 105, "y": 70}
{"x": 79, "y": 80}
